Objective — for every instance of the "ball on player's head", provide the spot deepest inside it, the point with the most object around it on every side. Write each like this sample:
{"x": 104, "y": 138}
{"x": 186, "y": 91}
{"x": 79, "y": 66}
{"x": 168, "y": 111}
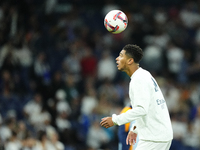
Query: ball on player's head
{"x": 116, "y": 21}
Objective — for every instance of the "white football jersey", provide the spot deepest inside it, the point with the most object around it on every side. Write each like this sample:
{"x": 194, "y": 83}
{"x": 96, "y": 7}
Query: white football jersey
{"x": 149, "y": 108}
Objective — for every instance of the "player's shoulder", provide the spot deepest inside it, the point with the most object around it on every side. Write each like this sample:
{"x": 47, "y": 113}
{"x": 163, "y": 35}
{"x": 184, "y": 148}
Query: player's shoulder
{"x": 142, "y": 74}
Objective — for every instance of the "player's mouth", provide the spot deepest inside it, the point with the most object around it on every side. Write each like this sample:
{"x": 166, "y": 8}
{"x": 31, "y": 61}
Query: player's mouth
{"x": 117, "y": 64}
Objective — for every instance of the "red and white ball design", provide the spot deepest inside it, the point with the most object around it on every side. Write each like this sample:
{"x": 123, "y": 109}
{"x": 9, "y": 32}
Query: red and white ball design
{"x": 116, "y": 21}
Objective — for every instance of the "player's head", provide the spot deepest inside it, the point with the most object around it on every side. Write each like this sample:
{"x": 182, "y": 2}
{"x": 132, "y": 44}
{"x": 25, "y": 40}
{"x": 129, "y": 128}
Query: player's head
{"x": 130, "y": 55}
{"x": 133, "y": 51}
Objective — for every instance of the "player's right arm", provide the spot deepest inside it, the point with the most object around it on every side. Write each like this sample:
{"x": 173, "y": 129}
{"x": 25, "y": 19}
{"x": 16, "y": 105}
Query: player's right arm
{"x": 140, "y": 95}
{"x": 129, "y": 116}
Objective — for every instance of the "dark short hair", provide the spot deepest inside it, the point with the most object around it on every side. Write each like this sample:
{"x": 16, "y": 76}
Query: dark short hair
{"x": 134, "y": 52}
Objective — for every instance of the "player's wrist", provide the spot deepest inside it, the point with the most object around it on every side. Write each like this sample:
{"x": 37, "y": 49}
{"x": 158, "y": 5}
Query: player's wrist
{"x": 114, "y": 119}
{"x": 134, "y": 129}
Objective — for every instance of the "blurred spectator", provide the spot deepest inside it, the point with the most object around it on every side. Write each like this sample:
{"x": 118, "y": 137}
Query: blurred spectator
{"x": 55, "y": 141}
{"x": 160, "y": 16}
{"x": 171, "y": 94}
{"x": 108, "y": 90}
{"x": 62, "y": 104}
{"x": 22, "y": 131}
{"x": 5, "y": 131}
{"x": 8, "y": 61}
{"x": 189, "y": 11}
{"x": 42, "y": 69}
{"x": 33, "y": 108}
{"x": 62, "y": 121}
{"x": 88, "y": 63}
{"x": 106, "y": 67}
{"x": 9, "y": 101}
{"x": 174, "y": 58}
{"x": 70, "y": 88}
{"x": 179, "y": 131}
{"x": 24, "y": 55}
{"x": 13, "y": 143}
{"x": 152, "y": 53}
{"x": 193, "y": 70}
{"x": 96, "y": 142}
{"x": 43, "y": 142}
{"x": 89, "y": 102}
{"x": 159, "y": 39}
{"x": 192, "y": 140}
{"x": 110, "y": 5}
{"x": 7, "y": 81}
{"x": 72, "y": 63}
{"x": 50, "y": 6}
{"x": 56, "y": 84}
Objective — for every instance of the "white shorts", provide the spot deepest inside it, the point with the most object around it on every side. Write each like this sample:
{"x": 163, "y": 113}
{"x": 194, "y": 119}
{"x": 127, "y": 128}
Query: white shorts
{"x": 152, "y": 145}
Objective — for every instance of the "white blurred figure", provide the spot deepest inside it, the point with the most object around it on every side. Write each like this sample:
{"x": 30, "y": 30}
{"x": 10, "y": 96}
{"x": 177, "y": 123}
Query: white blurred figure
{"x": 22, "y": 130}
{"x": 96, "y": 136}
{"x": 62, "y": 104}
{"x": 5, "y": 132}
{"x": 50, "y": 6}
{"x": 171, "y": 94}
{"x": 54, "y": 139}
{"x": 89, "y": 102}
{"x": 13, "y": 143}
{"x": 195, "y": 93}
{"x": 71, "y": 62}
{"x": 24, "y": 55}
{"x": 175, "y": 57}
{"x": 29, "y": 143}
{"x": 189, "y": 15}
{"x": 152, "y": 59}
{"x": 192, "y": 138}
{"x": 161, "y": 38}
{"x": 43, "y": 143}
{"x": 110, "y": 5}
{"x": 197, "y": 123}
{"x": 7, "y": 51}
{"x": 161, "y": 16}
{"x": 42, "y": 120}
{"x": 33, "y": 109}
{"x": 179, "y": 128}
{"x": 8, "y": 126}
{"x": 106, "y": 67}
{"x": 47, "y": 127}
{"x": 62, "y": 121}
{"x": 63, "y": 109}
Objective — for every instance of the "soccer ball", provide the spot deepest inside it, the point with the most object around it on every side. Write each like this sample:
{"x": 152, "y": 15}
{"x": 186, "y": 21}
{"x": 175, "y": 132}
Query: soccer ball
{"x": 115, "y": 21}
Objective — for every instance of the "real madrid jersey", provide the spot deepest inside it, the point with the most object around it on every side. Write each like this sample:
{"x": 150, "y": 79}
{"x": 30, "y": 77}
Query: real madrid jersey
{"x": 149, "y": 108}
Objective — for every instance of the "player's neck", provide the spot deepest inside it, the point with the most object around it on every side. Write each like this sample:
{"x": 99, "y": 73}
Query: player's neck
{"x": 132, "y": 69}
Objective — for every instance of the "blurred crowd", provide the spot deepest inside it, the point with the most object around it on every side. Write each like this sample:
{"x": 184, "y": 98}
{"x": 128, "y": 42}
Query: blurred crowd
{"x": 58, "y": 75}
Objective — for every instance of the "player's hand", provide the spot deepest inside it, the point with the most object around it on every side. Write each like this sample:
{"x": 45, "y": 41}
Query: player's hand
{"x": 131, "y": 138}
{"x": 107, "y": 122}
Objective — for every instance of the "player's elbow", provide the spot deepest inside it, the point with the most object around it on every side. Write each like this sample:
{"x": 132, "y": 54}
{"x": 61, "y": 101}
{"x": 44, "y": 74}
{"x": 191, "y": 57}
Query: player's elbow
{"x": 142, "y": 110}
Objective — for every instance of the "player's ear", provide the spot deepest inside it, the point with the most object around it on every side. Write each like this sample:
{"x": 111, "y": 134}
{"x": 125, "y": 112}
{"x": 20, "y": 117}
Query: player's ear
{"x": 130, "y": 61}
